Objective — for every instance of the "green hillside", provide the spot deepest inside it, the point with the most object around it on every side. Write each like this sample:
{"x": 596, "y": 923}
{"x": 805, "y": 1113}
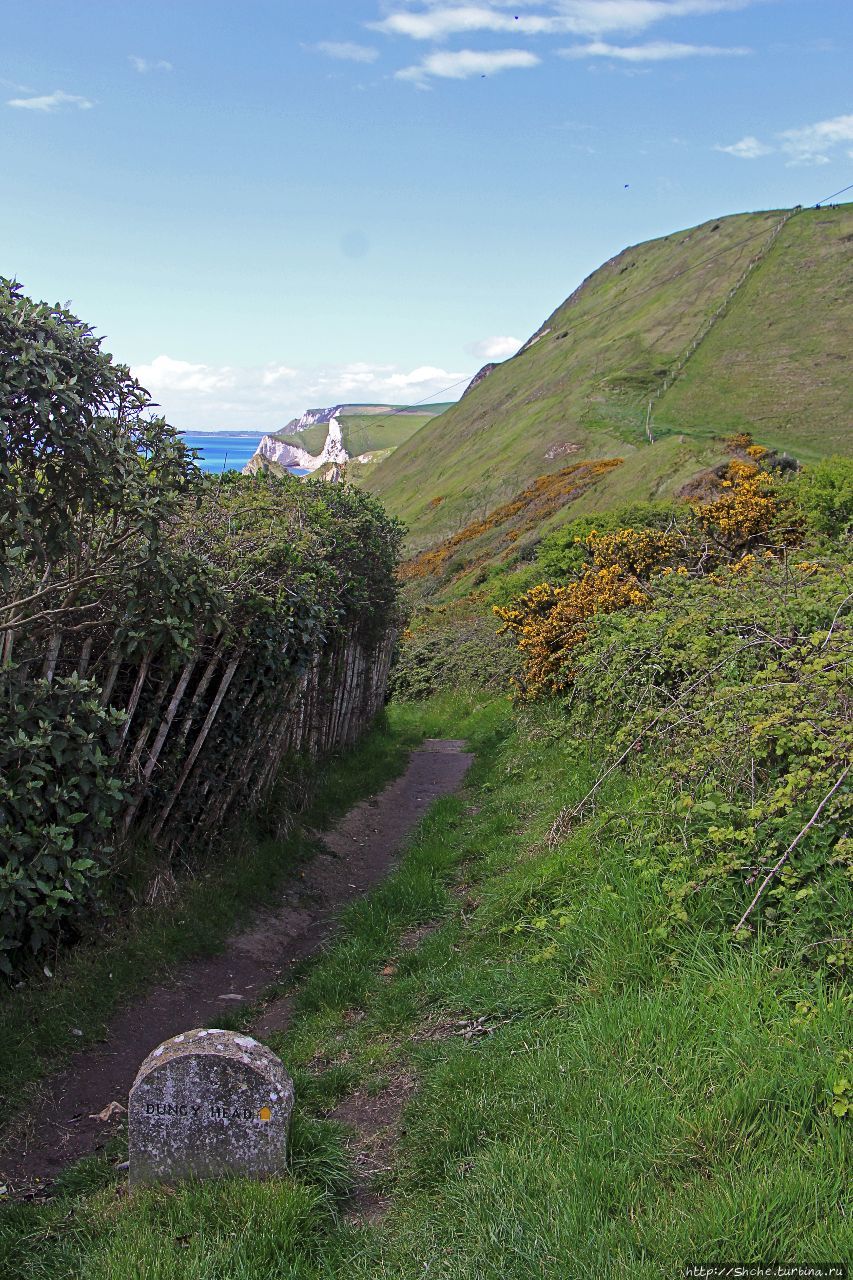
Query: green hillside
{"x": 779, "y": 362}
{"x": 364, "y": 431}
{"x": 765, "y": 295}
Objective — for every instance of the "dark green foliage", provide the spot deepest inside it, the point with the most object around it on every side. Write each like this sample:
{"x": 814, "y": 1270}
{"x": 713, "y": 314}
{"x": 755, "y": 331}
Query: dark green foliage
{"x": 89, "y": 477}
{"x": 59, "y": 795}
{"x": 824, "y": 493}
{"x": 196, "y": 611}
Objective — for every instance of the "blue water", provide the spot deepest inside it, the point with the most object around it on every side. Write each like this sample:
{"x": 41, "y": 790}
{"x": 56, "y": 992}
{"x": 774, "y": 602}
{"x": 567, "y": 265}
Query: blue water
{"x": 226, "y": 453}
{"x": 221, "y": 453}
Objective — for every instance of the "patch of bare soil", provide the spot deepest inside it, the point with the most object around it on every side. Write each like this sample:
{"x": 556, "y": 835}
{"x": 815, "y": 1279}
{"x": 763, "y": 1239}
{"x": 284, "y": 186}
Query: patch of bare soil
{"x": 413, "y": 938}
{"x": 374, "y": 1121}
{"x": 64, "y": 1123}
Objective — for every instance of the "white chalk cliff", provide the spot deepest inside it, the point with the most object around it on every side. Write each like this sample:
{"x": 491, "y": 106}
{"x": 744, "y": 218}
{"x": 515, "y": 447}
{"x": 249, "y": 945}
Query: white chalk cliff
{"x": 311, "y": 418}
{"x": 289, "y": 455}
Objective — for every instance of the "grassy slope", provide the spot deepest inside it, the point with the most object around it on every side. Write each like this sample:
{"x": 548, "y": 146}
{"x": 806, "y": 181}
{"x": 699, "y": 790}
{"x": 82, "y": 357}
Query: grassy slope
{"x": 623, "y": 1110}
{"x": 362, "y": 433}
{"x": 779, "y": 364}
{"x": 623, "y": 329}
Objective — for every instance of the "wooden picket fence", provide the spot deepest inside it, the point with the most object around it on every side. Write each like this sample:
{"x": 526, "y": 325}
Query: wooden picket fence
{"x": 204, "y": 740}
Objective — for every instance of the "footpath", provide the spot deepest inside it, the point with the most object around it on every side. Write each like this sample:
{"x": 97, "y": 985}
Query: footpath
{"x": 72, "y": 1116}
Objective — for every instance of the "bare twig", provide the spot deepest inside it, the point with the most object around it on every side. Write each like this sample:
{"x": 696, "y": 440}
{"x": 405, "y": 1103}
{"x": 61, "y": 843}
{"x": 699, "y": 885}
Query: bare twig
{"x": 835, "y": 619}
{"x": 774, "y": 870}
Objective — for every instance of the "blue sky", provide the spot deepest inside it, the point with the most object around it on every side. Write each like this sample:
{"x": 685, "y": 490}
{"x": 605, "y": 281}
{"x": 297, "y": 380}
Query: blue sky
{"x": 269, "y": 205}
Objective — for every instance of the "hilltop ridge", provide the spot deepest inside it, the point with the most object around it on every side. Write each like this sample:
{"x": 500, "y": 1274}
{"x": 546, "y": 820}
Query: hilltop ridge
{"x": 742, "y": 322}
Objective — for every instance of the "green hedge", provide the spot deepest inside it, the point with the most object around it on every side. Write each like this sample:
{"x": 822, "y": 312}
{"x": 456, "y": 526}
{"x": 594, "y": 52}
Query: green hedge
{"x": 165, "y": 637}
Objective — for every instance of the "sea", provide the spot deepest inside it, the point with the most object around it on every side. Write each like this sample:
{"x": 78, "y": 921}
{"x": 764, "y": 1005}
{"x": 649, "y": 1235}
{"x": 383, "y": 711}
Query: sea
{"x": 220, "y": 452}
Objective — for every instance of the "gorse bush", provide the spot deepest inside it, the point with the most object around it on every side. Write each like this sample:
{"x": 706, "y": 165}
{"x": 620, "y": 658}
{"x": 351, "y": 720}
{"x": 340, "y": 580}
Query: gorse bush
{"x": 550, "y": 621}
{"x": 165, "y": 639}
{"x": 564, "y": 552}
{"x": 713, "y": 655}
{"x": 613, "y": 566}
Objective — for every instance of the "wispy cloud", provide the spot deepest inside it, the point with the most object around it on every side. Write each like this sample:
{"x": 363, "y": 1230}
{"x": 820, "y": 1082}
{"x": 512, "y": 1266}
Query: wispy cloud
{"x": 264, "y": 398}
{"x": 344, "y": 51}
{"x": 654, "y": 51}
{"x": 51, "y": 102}
{"x": 496, "y": 348}
{"x": 144, "y": 65}
{"x": 749, "y": 148}
{"x": 438, "y": 19}
{"x": 465, "y": 63}
{"x": 812, "y": 144}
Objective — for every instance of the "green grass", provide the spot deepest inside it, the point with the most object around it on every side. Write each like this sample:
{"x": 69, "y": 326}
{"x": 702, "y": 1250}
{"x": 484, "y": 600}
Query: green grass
{"x": 778, "y": 364}
{"x": 774, "y": 365}
{"x": 634, "y": 1105}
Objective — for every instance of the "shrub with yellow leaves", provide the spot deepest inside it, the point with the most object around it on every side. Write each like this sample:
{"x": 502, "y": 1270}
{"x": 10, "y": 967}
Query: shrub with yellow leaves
{"x": 746, "y": 511}
{"x": 634, "y": 551}
{"x": 548, "y": 623}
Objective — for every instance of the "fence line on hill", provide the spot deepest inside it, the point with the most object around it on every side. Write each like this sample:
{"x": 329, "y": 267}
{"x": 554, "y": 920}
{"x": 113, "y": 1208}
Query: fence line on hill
{"x": 678, "y": 367}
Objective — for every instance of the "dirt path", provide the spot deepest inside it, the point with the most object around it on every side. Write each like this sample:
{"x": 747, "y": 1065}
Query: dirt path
{"x": 63, "y": 1125}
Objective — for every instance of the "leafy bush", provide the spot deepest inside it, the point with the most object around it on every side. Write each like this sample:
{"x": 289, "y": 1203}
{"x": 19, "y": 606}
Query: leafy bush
{"x": 450, "y": 651}
{"x": 89, "y": 480}
{"x": 824, "y": 493}
{"x": 59, "y": 795}
{"x": 165, "y": 639}
{"x": 735, "y": 690}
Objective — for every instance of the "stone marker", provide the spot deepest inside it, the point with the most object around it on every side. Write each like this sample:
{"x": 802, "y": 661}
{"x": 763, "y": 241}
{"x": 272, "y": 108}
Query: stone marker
{"x": 209, "y": 1104}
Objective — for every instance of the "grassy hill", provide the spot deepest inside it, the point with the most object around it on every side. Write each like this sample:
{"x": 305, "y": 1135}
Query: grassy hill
{"x": 367, "y": 428}
{"x": 742, "y": 322}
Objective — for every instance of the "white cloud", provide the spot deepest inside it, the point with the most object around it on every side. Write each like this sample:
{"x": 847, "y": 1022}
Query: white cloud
{"x": 144, "y": 65}
{"x": 276, "y": 373}
{"x": 749, "y": 148}
{"x": 496, "y": 348}
{"x": 812, "y": 144}
{"x": 164, "y": 375}
{"x": 437, "y": 23}
{"x": 344, "y": 51}
{"x": 464, "y": 63}
{"x": 438, "y": 19}
{"x": 264, "y": 398}
{"x": 51, "y": 102}
{"x": 654, "y": 51}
